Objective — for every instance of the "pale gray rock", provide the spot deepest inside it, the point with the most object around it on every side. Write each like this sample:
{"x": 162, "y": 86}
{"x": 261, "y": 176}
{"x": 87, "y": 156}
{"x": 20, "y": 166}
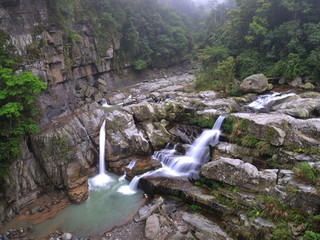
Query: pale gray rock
{"x": 296, "y": 82}
{"x": 152, "y": 227}
{"x": 233, "y": 172}
{"x": 284, "y": 156}
{"x": 310, "y": 95}
{"x": 300, "y": 107}
{"x": 206, "y": 227}
{"x": 257, "y": 83}
{"x": 268, "y": 178}
{"x": 307, "y": 86}
{"x": 67, "y": 236}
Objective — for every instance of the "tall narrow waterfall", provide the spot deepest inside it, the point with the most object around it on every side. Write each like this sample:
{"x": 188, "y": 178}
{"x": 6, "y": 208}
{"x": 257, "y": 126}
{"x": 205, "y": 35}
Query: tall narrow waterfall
{"x": 197, "y": 155}
{"x": 102, "y": 143}
{"x": 102, "y": 179}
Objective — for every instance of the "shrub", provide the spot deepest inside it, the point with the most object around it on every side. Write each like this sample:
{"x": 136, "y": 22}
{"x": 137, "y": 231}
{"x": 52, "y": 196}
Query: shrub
{"x": 309, "y": 235}
{"x": 17, "y": 112}
{"x": 220, "y": 78}
{"x": 306, "y": 173}
{"x": 140, "y": 64}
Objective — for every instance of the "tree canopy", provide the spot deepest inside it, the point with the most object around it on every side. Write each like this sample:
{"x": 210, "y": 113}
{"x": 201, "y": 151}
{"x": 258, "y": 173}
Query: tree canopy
{"x": 279, "y": 38}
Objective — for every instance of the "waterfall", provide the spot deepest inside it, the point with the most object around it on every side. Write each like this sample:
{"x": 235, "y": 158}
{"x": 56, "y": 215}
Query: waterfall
{"x": 129, "y": 166}
{"x": 197, "y": 155}
{"x": 102, "y": 147}
{"x": 102, "y": 179}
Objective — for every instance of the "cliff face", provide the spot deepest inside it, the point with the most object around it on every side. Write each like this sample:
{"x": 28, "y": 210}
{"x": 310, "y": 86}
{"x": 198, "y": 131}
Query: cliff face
{"x": 79, "y": 74}
{"x": 71, "y": 83}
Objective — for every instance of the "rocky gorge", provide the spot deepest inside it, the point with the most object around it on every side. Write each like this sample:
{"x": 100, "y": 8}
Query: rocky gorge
{"x": 253, "y": 183}
{"x": 256, "y": 159}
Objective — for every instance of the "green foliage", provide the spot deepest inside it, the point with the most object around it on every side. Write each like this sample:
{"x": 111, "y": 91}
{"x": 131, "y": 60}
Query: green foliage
{"x": 150, "y": 35}
{"x": 304, "y": 172}
{"x": 227, "y": 125}
{"x": 282, "y": 232}
{"x": 265, "y": 148}
{"x": 195, "y": 207}
{"x": 204, "y": 123}
{"x": 17, "y": 96}
{"x": 220, "y": 78}
{"x": 273, "y": 162}
{"x": 277, "y": 38}
{"x": 140, "y": 64}
{"x": 310, "y": 235}
{"x": 249, "y": 141}
{"x": 248, "y": 63}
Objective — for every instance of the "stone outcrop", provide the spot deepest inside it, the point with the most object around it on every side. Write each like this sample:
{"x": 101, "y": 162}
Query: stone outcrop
{"x": 281, "y": 129}
{"x": 204, "y": 228}
{"x": 257, "y": 83}
{"x": 238, "y": 173}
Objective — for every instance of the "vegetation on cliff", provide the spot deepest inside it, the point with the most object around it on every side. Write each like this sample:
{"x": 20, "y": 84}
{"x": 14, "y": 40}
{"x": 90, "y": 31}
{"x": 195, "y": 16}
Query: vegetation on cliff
{"x": 149, "y": 33}
{"x": 277, "y": 38}
{"x": 17, "y": 111}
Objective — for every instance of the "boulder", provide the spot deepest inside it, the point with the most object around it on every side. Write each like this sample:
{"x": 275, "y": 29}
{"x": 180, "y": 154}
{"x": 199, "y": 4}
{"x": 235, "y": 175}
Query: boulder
{"x": 233, "y": 172}
{"x": 257, "y": 83}
{"x": 146, "y": 211}
{"x": 307, "y": 86}
{"x": 296, "y": 82}
{"x": 152, "y": 227}
{"x": 205, "y": 227}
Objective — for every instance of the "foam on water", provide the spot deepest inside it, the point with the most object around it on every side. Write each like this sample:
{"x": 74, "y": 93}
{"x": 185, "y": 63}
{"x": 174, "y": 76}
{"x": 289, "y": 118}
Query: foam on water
{"x": 175, "y": 166}
{"x": 263, "y": 100}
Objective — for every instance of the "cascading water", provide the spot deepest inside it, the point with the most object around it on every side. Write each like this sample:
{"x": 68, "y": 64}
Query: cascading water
{"x": 263, "y": 101}
{"x": 102, "y": 179}
{"x": 175, "y": 166}
{"x": 129, "y": 166}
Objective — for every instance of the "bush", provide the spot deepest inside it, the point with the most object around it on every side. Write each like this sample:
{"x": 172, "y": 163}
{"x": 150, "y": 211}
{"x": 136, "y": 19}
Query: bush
{"x": 309, "y": 235}
{"x": 248, "y": 63}
{"x": 306, "y": 173}
{"x": 17, "y": 112}
{"x": 220, "y": 78}
{"x": 139, "y": 64}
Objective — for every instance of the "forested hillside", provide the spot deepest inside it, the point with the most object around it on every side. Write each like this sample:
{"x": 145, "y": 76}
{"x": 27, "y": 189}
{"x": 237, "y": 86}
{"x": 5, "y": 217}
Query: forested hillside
{"x": 151, "y": 34}
{"x": 277, "y": 38}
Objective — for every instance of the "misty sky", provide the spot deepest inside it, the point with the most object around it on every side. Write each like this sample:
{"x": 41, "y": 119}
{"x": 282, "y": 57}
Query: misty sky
{"x": 203, "y": 2}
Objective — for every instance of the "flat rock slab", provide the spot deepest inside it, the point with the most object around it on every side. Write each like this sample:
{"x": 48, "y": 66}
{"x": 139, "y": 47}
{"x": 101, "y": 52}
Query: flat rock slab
{"x": 183, "y": 189}
{"x": 206, "y": 227}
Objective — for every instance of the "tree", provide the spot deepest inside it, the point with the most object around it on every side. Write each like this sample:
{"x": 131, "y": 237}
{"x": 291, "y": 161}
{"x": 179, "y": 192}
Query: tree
{"x": 17, "y": 111}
